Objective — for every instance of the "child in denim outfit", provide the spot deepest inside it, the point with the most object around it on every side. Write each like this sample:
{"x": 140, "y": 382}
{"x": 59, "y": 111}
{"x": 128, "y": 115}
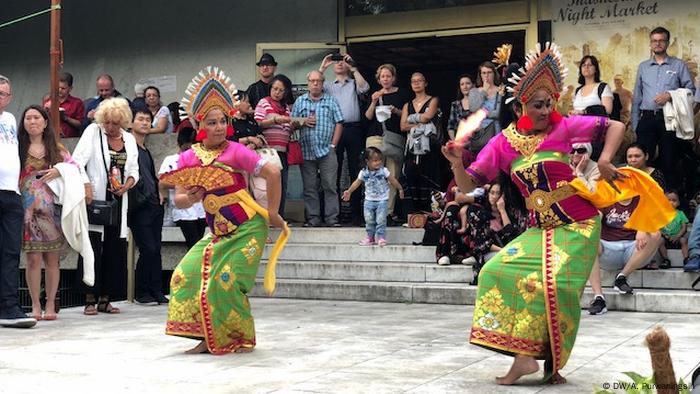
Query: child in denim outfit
{"x": 376, "y": 178}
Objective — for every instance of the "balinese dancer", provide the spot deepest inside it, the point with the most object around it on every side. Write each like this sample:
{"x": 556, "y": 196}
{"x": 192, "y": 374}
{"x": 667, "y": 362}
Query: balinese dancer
{"x": 528, "y": 299}
{"x": 208, "y": 288}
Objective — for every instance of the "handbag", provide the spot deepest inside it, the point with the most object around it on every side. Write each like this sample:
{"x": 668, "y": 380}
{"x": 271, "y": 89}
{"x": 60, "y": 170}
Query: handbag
{"x": 417, "y": 220}
{"x": 482, "y": 137}
{"x": 269, "y": 154}
{"x": 104, "y": 212}
{"x": 294, "y": 155}
{"x": 393, "y": 144}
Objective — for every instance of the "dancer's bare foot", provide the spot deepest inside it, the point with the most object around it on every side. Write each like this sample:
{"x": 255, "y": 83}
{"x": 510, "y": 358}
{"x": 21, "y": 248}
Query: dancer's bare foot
{"x": 556, "y": 379}
{"x": 243, "y": 350}
{"x": 199, "y": 349}
{"x": 522, "y": 365}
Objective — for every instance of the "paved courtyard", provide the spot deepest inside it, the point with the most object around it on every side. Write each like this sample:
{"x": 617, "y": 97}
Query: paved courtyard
{"x": 318, "y": 346}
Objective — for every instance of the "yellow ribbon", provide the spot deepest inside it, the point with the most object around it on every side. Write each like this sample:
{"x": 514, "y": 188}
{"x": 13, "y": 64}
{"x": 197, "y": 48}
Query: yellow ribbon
{"x": 653, "y": 211}
{"x": 270, "y": 275}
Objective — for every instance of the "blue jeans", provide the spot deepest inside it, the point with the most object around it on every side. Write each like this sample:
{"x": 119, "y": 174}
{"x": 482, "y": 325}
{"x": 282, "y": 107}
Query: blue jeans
{"x": 375, "y": 218}
{"x": 694, "y": 238}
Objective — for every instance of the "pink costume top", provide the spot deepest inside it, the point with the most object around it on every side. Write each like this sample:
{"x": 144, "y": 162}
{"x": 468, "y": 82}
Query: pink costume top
{"x": 232, "y": 157}
{"x": 541, "y": 162}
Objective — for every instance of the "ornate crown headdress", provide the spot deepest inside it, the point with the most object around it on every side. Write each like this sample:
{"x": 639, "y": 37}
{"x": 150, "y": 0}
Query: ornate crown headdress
{"x": 543, "y": 69}
{"x": 210, "y": 89}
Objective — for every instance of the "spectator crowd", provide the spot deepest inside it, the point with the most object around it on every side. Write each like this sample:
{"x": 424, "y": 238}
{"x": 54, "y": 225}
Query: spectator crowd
{"x": 389, "y": 140}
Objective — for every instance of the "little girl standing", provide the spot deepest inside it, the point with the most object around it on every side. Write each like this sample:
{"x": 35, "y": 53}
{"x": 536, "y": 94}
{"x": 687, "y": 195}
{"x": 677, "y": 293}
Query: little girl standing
{"x": 376, "y": 178}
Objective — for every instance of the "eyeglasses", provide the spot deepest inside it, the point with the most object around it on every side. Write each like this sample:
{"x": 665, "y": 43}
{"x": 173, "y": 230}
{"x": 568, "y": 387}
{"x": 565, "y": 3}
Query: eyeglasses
{"x": 4, "y": 95}
{"x": 580, "y": 151}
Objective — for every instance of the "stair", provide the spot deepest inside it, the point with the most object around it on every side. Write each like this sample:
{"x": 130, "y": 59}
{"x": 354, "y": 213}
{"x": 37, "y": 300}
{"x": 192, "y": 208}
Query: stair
{"x": 327, "y": 263}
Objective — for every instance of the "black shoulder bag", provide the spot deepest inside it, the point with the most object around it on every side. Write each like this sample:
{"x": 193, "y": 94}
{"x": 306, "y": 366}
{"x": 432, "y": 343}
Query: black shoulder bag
{"x": 104, "y": 212}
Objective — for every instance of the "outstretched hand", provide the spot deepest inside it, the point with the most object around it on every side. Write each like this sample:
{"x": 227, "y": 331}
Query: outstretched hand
{"x": 610, "y": 173}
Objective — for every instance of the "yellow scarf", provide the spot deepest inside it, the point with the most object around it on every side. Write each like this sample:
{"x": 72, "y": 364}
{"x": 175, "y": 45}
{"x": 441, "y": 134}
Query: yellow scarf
{"x": 653, "y": 212}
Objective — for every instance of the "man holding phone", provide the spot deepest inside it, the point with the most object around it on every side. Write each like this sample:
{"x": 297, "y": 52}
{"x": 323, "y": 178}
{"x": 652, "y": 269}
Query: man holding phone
{"x": 346, "y": 88}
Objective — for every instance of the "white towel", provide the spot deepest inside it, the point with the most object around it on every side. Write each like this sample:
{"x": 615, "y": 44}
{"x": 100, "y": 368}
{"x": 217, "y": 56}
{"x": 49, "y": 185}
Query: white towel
{"x": 70, "y": 193}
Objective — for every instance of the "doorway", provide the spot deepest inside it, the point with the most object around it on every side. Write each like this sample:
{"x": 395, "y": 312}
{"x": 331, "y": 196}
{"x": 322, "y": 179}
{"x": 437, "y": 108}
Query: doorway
{"x": 441, "y": 59}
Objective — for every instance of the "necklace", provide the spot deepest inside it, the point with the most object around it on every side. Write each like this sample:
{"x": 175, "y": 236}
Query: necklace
{"x": 37, "y": 150}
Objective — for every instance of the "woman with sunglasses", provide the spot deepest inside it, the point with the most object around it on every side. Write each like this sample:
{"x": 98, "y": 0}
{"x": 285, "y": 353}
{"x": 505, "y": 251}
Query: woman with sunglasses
{"x": 583, "y": 166}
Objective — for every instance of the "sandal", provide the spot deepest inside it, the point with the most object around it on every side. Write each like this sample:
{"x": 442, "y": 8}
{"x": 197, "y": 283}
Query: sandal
{"x": 90, "y": 306}
{"x": 104, "y": 306}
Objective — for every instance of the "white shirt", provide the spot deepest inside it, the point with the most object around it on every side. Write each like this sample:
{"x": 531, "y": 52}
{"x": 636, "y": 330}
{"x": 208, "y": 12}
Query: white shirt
{"x": 581, "y": 102}
{"x": 9, "y": 151}
{"x": 164, "y": 112}
{"x": 194, "y": 212}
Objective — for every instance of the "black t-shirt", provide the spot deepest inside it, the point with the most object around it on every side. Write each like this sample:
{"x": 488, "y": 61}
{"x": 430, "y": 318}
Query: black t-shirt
{"x": 147, "y": 185}
{"x": 397, "y": 99}
{"x": 247, "y": 127}
{"x": 257, "y": 91}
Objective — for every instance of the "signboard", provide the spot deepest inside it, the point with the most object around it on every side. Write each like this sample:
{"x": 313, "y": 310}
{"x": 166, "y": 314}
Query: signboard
{"x": 617, "y": 33}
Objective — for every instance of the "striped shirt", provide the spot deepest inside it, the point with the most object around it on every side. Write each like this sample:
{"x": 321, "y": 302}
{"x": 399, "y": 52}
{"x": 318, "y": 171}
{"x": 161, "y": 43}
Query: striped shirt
{"x": 277, "y": 135}
{"x": 316, "y": 141}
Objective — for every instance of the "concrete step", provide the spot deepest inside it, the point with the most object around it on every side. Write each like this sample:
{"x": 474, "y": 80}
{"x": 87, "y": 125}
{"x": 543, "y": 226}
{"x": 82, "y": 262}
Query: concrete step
{"x": 324, "y": 235}
{"x": 371, "y": 271}
{"x": 352, "y": 253}
{"x": 643, "y": 300}
{"x": 673, "y": 279}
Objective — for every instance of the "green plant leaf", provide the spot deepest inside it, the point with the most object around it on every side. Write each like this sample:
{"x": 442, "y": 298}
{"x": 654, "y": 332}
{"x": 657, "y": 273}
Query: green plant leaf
{"x": 636, "y": 378}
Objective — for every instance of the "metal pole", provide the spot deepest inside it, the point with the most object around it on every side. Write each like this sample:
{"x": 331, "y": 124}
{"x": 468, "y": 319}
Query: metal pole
{"x": 55, "y": 54}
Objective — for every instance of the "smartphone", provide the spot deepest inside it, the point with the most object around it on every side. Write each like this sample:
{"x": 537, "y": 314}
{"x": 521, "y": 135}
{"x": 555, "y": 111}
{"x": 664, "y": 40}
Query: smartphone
{"x": 336, "y": 57}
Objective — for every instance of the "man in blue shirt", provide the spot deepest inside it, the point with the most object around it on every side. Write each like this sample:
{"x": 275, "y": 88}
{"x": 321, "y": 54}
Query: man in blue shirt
{"x": 320, "y": 134}
{"x": 656, "y": 77}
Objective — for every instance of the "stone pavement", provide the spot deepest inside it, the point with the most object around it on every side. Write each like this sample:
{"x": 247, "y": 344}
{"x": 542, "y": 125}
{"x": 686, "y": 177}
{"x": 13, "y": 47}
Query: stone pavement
{"x": 318, "y": 346}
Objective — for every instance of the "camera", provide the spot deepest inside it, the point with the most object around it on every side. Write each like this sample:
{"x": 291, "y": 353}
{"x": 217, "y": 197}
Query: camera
{"x": 336, "y": 57}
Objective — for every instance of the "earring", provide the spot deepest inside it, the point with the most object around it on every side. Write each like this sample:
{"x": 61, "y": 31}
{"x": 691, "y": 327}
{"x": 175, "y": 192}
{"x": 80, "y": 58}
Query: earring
{"x": 524, "y": 123}
{"x": 201, "y": 135}
{"x": 555, "y": 117}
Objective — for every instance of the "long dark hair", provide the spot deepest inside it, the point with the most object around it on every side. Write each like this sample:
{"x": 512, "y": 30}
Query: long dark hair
{"x": 459, "y": 89}
{"x": 51, "y": 146}
{"x": 594, "y": 62}
{"x": 288, "y": 98}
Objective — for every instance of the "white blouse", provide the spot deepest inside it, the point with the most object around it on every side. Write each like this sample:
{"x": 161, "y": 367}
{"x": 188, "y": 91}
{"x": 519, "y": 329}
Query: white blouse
{"x": 581, "y": 102}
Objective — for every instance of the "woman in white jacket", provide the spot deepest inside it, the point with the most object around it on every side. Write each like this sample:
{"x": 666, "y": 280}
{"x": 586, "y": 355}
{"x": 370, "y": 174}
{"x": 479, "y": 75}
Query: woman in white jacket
{"x": 105, "y": 147}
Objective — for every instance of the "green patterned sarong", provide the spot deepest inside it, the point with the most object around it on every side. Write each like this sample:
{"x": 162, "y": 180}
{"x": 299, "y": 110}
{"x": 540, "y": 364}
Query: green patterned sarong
{"x": 528, "y": 301}
{"x": 208, "y": 288}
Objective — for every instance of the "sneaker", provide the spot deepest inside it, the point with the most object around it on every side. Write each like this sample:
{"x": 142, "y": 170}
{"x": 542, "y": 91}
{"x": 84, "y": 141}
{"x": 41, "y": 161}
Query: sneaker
{"x": 17, "y": 319}
{"x": 367, "y": 241}
{"x": 621, "y": 285}
{"x": 444, "y": 260}
{"x": 161, "y": 299}
{"x": 693, "y": 264}
{"x": 471, "y": 260}
{"x": 598, "y": 306}
{"x": 381, "y": 241}
{"x": 665, "y": 264}
{"x": 146, "y": 300}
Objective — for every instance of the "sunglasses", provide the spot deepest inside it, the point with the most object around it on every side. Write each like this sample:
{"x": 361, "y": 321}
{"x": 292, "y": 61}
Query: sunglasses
{"x": 580, "y": 151}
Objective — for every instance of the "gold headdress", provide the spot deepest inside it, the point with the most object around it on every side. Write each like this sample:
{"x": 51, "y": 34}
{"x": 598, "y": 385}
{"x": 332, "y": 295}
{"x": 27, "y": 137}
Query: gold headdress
{"x": 210, "y": 89}
{"x": 501, "y": 56}
{"x": 543, "y": 69}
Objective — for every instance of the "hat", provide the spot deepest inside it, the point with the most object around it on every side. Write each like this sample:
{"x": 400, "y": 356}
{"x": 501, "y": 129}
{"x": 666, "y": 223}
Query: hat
{"x": 209, "y": 89}
{"x": 544, "y": 69}
{"x": 266, "y": 58}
